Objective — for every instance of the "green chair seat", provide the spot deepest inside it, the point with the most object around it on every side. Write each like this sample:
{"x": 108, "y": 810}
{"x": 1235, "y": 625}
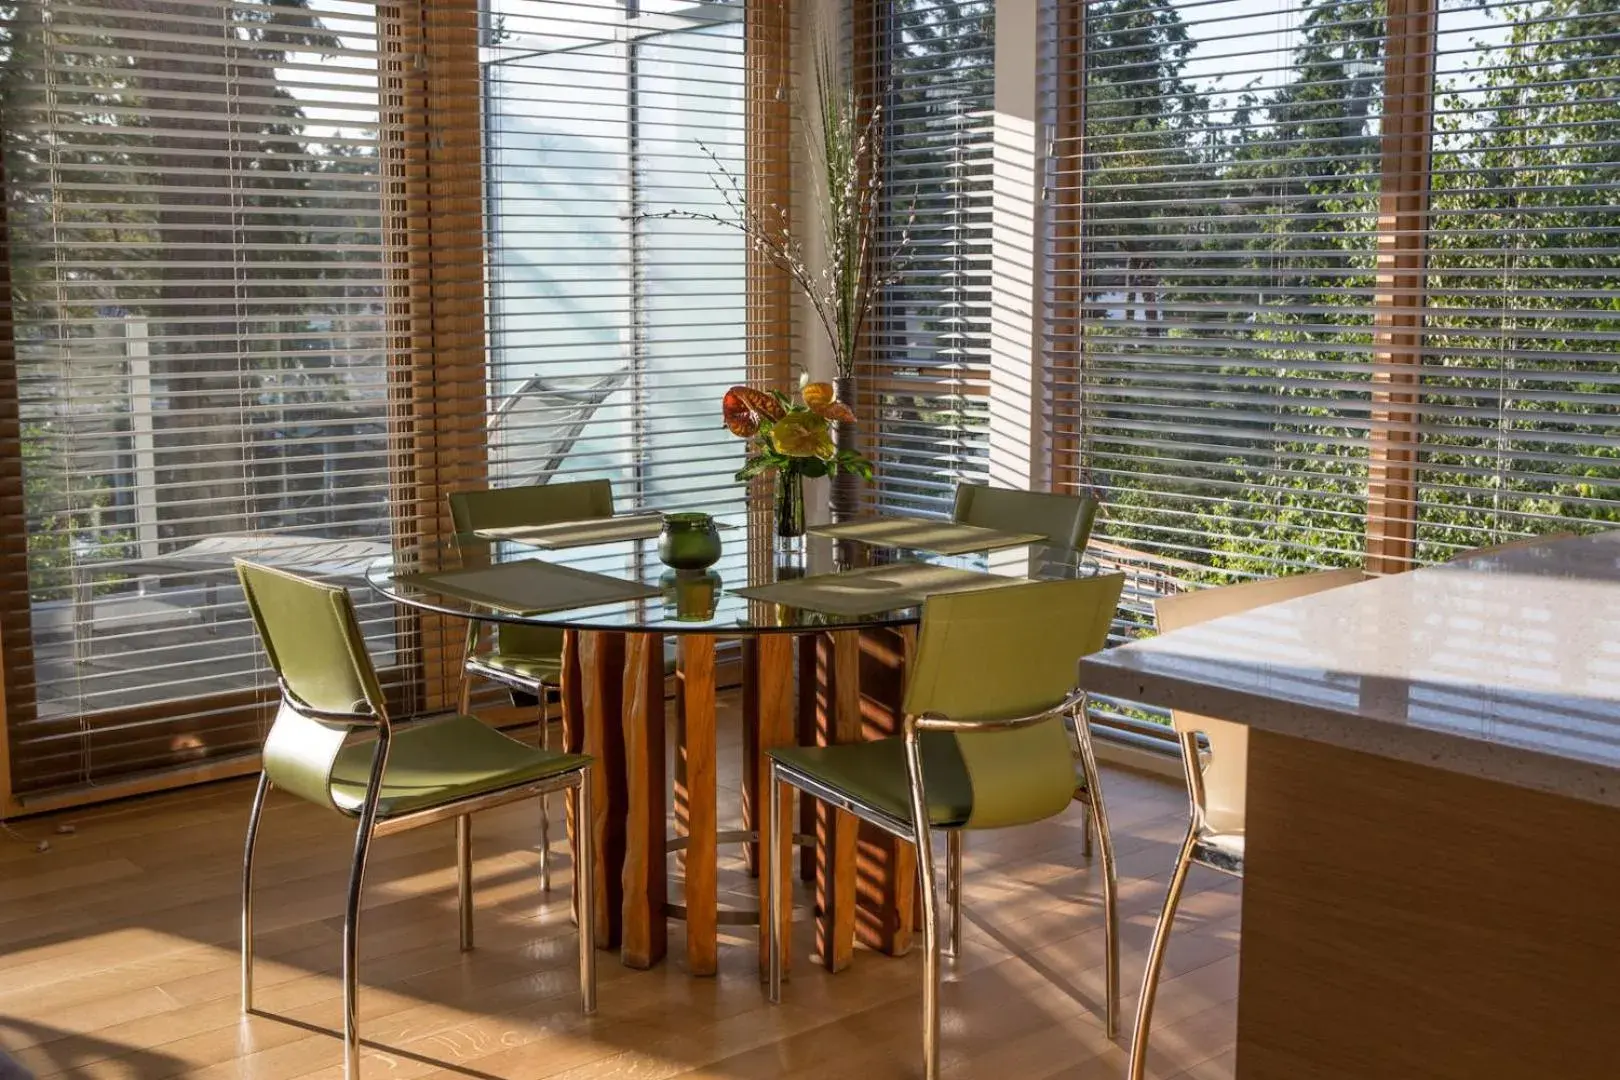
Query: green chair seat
{"x": 874, "y": 774}
{"x": 441, "y": 761}
{"x": 537, "y": 669}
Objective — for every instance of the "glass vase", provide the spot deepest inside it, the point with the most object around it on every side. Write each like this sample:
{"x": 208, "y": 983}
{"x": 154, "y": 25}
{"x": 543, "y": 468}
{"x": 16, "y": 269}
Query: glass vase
{"x": 789, "y": 505}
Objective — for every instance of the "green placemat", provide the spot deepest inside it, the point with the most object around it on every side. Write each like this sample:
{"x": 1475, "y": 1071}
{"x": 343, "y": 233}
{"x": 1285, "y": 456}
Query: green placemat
{"x": 873, "y": 589}
{"x": 925, "y": 534}
{"x": 530, "y": 587}
{"x": 562, "y": 534}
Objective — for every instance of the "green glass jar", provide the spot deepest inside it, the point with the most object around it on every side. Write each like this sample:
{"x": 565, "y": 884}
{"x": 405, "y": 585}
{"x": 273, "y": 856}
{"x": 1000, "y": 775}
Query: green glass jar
{"x": 689, "y": 541}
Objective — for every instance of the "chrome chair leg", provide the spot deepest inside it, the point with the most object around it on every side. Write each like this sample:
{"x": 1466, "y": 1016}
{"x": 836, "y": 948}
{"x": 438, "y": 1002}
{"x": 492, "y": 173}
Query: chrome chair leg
{"x": 776, "y": 897}
{"x": 953, "y": 891}
{"x": 1088, "y": 823}
{"x": 247, "y": 890}
{"x": 464, "y": 701}
{"x": 931, "y": 951}
{"x": 1105, "y": 842}
{"x": 464, "y": 894}
{"x": 351, "y": 912}
{"x": 583, "y": 862}
{"x": 1096, "y": 822}
{"x": 1155, "y": 960}
{"x": 545, "y": 800}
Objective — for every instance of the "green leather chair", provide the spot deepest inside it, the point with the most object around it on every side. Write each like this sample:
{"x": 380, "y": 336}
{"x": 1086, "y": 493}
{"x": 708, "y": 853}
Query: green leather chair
{"x": 1065, "y": 520}
{"x": 527, "y": 659}
{"x": 985, "y": 746}
{"x": 333, "y": 744}
{"x": 1217, "y": 772}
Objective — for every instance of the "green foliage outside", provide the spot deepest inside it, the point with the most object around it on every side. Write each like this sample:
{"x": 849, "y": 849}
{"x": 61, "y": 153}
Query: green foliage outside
{"x": 221, "y": 235}
{"x": 1230, "y": 292}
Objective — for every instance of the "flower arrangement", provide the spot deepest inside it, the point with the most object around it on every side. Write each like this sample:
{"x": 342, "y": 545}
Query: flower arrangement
{"x": 792, "y": 439}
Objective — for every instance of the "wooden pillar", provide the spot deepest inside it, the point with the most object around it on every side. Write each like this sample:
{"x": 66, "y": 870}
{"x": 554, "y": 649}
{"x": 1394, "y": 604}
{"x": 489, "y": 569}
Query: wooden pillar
{"x": 433, "y": 206}
{"x": 1065, "y": 281}
{"x": 17, "y": 704}
{"x": 1403, "y": 217}
{"x": 769, "y": 135}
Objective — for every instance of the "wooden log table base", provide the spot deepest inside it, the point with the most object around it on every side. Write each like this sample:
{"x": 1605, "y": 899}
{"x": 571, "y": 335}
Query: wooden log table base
{"x": 865, "y": 882}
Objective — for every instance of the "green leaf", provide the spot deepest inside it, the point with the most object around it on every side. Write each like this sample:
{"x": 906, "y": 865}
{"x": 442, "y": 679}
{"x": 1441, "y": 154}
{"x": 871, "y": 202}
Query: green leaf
{"x": 754, "y": 467}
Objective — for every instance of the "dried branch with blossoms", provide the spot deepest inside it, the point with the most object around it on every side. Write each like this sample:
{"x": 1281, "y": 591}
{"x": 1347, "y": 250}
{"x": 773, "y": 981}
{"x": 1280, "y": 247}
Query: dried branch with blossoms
{"x": 845, "y": 141}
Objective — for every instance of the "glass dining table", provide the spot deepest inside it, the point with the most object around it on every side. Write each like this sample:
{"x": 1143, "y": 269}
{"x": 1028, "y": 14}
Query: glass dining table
{"x": 822, "y": 630}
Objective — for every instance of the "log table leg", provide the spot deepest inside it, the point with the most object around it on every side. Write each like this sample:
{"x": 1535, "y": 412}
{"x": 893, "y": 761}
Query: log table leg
{"x": 886, "y": 867}
{"x": 839, "y": 721}
{"x": 573, "y": 732}
{"x": 768, "y": 714}
{"x": 593, "y": 705}
{"x": 806, "y": 725}
{"x": 699, "y": 792}
{"x": 646, "y": 872}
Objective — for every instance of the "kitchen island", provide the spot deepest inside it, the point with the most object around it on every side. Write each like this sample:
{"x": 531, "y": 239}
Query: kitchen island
{"x": 1432, "y": 867}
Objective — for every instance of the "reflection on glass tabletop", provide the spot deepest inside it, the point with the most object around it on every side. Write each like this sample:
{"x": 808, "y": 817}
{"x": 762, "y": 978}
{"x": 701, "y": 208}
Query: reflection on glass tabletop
{"x": 707, "y": 601}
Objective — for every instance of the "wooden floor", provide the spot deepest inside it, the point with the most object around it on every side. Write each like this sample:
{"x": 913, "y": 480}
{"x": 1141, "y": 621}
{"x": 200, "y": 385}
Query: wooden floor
{"x": 118, "y": 958}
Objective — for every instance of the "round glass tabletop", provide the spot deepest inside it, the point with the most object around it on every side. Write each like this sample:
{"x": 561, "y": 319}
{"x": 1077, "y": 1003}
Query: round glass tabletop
{"x": 798, "y": 595}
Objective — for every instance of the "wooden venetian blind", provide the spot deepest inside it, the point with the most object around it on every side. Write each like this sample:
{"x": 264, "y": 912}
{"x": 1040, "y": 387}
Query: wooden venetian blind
{"x": 926, "y": 375}
{"x": 285, "y": 275}
{"x": 198, "y": 277}
{"x": 614, "y": 331}
{"x": 1331, "y": 281}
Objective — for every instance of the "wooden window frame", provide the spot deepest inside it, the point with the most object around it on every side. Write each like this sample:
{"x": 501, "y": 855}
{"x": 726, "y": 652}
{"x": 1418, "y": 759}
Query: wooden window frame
{"x": 1390, "y": 522}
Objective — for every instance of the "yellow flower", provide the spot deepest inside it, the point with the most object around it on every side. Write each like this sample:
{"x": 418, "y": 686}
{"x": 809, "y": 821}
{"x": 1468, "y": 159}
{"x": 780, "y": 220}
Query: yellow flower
{"x": 802, "y": 434}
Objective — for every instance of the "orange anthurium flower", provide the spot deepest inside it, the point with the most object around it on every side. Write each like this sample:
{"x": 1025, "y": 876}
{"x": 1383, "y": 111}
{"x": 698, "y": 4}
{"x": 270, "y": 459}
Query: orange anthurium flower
{"x": 744, "y": 407}
{"x": 818, "y": 395}
{"x": 835, "y": 410}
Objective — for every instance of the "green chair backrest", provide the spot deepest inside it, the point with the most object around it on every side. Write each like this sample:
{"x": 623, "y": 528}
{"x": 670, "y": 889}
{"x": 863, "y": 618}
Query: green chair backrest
{"x": 1000, "y": 653}
{"x": 313, "y": 640}
{"x": 532, "y": 504}
{"x": 1065, "y": 520}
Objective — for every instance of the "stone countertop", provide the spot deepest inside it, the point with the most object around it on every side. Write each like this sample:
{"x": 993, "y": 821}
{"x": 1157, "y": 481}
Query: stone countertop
{"x": 1504, "y": 665}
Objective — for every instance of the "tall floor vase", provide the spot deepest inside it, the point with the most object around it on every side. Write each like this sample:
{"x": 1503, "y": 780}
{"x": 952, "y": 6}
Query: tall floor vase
{"x": 846, "y": 487}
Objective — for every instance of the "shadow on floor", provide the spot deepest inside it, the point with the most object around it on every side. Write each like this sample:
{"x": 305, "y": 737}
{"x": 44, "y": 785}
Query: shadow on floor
{"x": 69, "y": 1051}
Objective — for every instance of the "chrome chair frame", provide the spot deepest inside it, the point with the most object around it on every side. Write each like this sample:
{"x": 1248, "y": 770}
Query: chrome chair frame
{"x": 1198, "y": 846}
{"x": 540, "y": 689}
{"x": 919, "y": 833}
{"x": 370, "y": 826}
